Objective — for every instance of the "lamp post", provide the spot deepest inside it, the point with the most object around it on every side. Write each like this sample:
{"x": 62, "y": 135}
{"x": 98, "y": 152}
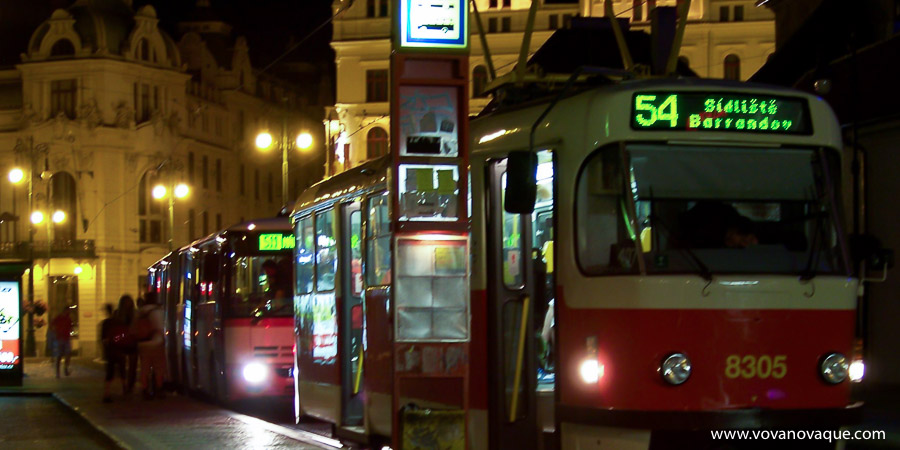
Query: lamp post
{"x": 160, "y": 192}
{"x": 265, "y": 142}
{"x": 26, "y": 147}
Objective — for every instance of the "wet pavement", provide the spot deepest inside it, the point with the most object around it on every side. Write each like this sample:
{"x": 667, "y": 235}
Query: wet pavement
{"x": 51, "y": 408}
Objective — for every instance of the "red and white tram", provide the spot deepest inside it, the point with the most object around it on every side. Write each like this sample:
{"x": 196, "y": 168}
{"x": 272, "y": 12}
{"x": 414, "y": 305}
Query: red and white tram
{"x": 229, "y": 316}
{"x": 642, "y": 256}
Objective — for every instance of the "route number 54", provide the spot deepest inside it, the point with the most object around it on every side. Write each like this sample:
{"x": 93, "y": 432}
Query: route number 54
{"x": 752, "y": 366}
{"x": 647, "y": 113}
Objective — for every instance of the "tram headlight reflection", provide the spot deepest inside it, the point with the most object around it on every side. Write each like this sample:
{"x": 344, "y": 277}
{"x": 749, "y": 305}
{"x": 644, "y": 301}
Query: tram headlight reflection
{"x": 255, "y": 373}
{"x": 834, "y": 368}
{"x": 675, "y": 369}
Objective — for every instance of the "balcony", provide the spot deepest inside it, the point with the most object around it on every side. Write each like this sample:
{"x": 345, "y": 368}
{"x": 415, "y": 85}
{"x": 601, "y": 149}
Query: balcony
{"x": 78, "y": 248}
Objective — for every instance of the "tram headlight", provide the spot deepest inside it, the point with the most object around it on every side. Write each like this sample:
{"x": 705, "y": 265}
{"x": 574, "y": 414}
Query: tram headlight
{"x": 591, "y": 370}
{"x": 834, "y": 368}
{"x": 857, "y": 370}
{"x": 675, "y": 369}
{"x": 255, "y": 373}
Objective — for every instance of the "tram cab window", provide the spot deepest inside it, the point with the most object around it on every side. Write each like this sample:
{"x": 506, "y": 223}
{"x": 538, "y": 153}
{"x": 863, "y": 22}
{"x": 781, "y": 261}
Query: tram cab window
{"x": 378, "y": 241}
{"x": 326, "y": 251}
{"x": 719, "y": 210}
{"x": 603, "y": 243}
{"x": 305, "y": 263}
{"x": 260, "y": 286}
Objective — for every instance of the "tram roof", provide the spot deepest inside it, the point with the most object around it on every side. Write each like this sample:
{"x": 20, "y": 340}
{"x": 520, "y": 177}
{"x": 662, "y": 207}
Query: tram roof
{"x": 366, "y": 175}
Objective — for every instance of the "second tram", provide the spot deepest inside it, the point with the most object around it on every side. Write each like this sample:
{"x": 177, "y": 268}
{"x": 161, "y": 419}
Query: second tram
{"x": 229, "y": 316}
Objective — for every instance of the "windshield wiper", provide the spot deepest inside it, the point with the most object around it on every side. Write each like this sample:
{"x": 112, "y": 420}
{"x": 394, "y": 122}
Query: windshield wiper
{"x": 702, "y": 268}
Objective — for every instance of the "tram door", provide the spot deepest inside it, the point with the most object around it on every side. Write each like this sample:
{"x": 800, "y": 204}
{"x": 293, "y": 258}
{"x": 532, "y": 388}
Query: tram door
{"x": 511, "y": 338}
{"x": 351, "y": 315}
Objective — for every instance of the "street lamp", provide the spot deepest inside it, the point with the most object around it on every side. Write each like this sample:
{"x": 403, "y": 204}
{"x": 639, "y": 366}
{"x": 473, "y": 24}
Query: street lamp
{"x": 303, "y": 141}
{"x": 160, "y": 192}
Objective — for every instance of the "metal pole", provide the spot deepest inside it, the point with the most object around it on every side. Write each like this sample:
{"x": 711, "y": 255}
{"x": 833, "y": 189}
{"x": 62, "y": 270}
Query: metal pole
{"x": 30, "y": 349}
{"x": 284, "y": 161}
{"x": 172, "y": 216}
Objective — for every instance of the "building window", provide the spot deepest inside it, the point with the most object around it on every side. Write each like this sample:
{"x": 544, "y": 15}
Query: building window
{"x": 150, "y": 213}
{"x": 256, "y": 184}
{"x": 143, "y": 50}
{"x": 554, "y": 21}
{"x": 62, "y": 47}
{"x": 505, "y": 24}
{"x": 492, "y": 25}
{"x": 191, "y": 235}
{"x": 567, "y": 21}
{"x": 205, "y": 218}
{"x": 637, "y": 10}
{"x": 191, "y": 167}
{"x": 377, "y": 85}
{"x": 63, "y": 198}
{"x": 739, "y": 13}
{"x": 376, "y": 143}
{"x": 732, "y": 67}
{"x": 204, "y": 166}
{"x": 62, "y": 98}
{"x": 218, "y": 221}
{"x": 370, "y": 8}
{"x": 507, "y": 3}
{"x": 218, "y": 175}
{"x": 242, "y": 180}
{"x": 723, "y": 14}
{"x": 204, "y": 122}
{"x": 479, "y": 81}
{"x": 492, "y": 4}
{"x": 218, "y": 125}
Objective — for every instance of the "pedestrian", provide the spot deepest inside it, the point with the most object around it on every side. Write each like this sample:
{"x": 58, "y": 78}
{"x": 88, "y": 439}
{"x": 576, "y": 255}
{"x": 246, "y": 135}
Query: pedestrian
{"x": 149, "y": 332}
{"x": 62, "y": 330}
{"x": 116, "y": 337}
{"x": 125, "y": 314}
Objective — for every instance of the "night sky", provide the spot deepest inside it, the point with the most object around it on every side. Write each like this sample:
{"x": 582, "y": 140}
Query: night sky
{"x": 269, "y": 25}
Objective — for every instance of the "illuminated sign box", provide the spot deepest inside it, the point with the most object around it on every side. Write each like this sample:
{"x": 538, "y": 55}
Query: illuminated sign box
{"x": 275, "y": 242}
{"x": 720, "y": 112}
{"x": 434, "y": 24}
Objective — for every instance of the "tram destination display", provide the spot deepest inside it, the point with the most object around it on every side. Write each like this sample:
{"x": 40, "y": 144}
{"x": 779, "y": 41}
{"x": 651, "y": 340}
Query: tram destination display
{"x": 720, "y": 112}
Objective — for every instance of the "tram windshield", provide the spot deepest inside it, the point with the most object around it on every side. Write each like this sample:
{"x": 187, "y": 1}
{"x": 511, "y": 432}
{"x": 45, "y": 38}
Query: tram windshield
{"x": 707, "y": 210}
{"x": 260, "y": 286}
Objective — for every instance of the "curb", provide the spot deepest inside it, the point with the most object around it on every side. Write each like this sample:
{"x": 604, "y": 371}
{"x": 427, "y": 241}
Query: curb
{"x": 112, "y": 438}
{"x": 298, "y": 435}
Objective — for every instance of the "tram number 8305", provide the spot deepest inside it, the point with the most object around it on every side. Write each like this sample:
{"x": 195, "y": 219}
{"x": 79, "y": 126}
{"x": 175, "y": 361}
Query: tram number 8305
{"x": 752, "y": 366}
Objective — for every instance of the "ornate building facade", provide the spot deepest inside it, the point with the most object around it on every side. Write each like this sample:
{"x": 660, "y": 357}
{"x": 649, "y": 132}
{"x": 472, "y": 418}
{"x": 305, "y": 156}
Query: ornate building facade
{"x": 723, "y": 39}
{"x": 101, "y": 107}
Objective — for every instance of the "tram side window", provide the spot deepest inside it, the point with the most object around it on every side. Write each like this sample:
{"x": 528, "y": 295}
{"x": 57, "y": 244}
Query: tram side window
{"x": 305, "y": 250}
{"x": 378, "y": 241}
{"x": 326, "y": 251}
{"x": 603, "y": 241}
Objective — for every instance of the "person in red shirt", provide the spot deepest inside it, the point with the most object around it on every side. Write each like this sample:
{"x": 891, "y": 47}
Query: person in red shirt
{"x": 62, "y": 328}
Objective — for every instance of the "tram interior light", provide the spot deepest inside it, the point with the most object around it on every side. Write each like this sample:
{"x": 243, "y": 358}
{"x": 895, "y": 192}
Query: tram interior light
{"x": 591, "y": 370}
{"x": 857, "y": 370}
{"x": 254, "y": 373}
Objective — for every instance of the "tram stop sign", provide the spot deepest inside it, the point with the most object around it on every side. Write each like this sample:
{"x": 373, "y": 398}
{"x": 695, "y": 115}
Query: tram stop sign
{"x": 436, "y": 24}
{"x": 10, "y": 324}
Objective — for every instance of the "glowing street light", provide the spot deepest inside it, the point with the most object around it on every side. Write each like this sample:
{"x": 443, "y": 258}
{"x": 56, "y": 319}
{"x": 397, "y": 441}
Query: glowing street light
{"x": 304, "y": 140}
{"x": 159, "y": 191}
{"x": 37, "y": 217}
{"x": 182, "y": 190}
{"x": 59, "y": 216}
{"x": 16, "y": 175}
{"x": 264, "y": 141}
